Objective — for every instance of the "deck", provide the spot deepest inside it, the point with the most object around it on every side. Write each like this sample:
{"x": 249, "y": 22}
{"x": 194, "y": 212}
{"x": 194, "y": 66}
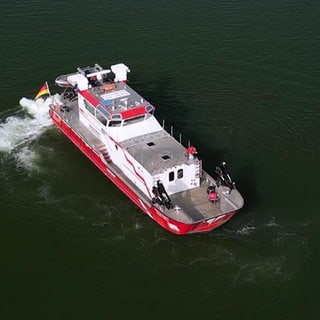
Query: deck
{"x": 194, "y": 203}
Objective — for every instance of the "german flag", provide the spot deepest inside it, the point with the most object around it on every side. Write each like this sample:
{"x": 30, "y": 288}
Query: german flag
{"x": 42, "y": 91}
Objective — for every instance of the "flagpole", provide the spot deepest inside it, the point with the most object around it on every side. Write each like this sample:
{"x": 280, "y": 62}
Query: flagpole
{"x": 48, "y": 89}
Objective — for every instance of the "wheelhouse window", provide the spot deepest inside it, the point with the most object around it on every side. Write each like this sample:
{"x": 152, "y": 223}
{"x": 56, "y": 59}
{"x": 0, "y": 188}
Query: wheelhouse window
{"x": 114, "y": 123}
{"x": 180, "y": 174}
{"x": 133, "y": 120}
{"x": 89, "y": 107}
{"x": 101, "y": 118}
{"x": 149, "y": 108}
{"x": 150, "y": 111}
{"x": 171, "y": 175}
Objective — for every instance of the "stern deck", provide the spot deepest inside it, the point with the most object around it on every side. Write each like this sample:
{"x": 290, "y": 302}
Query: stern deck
{"x": 196, "y": 205}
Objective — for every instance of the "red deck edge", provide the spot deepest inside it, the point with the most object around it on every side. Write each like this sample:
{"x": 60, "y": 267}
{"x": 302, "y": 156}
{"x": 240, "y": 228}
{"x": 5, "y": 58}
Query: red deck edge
{"x": 171, "y": 225}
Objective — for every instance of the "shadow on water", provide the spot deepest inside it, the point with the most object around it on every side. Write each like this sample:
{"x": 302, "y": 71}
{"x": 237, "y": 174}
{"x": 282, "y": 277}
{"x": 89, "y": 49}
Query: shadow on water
{"x": 245, "y": 178}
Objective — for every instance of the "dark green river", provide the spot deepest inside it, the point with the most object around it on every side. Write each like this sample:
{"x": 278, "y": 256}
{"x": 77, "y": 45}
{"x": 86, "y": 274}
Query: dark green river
{"x": 240, "y": 80}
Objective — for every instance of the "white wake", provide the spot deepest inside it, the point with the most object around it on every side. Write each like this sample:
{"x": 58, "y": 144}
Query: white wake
{"x": 18, "y": 129}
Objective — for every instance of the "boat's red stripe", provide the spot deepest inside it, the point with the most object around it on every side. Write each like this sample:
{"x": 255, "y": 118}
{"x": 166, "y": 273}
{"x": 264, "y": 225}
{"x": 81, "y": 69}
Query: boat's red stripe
{"x": 90, "y": 98}
{"x": 133, "y": 112}
{"x": 130, "y": 113}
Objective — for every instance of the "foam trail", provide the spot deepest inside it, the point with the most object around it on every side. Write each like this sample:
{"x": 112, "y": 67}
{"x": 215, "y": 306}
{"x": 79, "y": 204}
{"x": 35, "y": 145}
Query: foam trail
{"x": 16, "y": 130}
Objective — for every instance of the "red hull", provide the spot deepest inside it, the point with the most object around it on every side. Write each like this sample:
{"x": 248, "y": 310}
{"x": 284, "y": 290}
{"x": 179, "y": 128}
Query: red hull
{"x": 167, "y": 223}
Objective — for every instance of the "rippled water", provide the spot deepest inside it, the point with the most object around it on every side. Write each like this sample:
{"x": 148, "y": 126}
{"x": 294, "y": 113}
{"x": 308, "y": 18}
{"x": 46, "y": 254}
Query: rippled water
{"x": 238, "y": 79}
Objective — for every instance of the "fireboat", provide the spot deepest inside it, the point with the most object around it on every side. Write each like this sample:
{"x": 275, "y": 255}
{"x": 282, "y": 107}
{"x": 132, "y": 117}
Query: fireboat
{"x": 115, "y": 127}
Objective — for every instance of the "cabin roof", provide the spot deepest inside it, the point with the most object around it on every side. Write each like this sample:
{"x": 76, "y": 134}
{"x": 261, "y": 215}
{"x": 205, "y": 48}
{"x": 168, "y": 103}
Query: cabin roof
{"x": 117, "y": 99}
{"x": 157, "y": 151}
